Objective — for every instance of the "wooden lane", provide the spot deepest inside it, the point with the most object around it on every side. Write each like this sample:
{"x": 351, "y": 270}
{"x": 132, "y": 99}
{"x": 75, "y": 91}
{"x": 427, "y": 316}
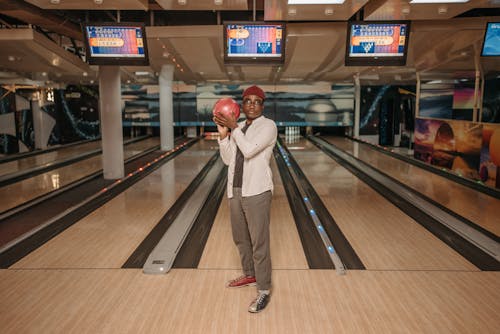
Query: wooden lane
{"x": 469, "y": 203}
{"x": 48, "y": 157}
{"x": 106, "y": 237}
{"x": 87, "y": 300}
{"x": 22, "y": 191}
{"x": 195, "y": 301}
{"x": 382, "y": 235}
{"x": 286, "y": 249}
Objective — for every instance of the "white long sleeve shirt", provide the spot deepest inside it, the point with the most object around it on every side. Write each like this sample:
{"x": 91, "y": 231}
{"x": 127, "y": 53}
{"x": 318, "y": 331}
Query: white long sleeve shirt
{"x": 257, "y": 148}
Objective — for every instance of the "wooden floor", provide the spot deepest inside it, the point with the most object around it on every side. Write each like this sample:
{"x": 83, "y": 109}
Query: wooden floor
{"x": 383, "y": 236}
{"x": 413, "y": 282}
{"x": 196, "y": 301}
{"x": 41, "y": 184}
{"x": 62, "y": 153}
{"x": 473, "y": 205}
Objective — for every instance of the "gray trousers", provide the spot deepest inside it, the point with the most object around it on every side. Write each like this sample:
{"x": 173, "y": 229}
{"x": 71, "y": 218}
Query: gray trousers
{"x": 250, "y": 218}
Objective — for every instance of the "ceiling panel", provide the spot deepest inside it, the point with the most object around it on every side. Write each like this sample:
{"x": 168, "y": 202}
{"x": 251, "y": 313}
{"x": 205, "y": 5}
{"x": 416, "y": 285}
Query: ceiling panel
{"x": 280, "y": 10}
{"x": 203, "y": 4}
{"x": 91, "y": 4}
{"x": 315, "y": 48}
{"x": 32, "y": 55}
{"x": 404, "y": 10}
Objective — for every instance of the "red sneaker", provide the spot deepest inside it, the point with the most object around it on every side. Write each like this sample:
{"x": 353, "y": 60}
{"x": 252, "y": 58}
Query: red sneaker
{"x": 241, "y": 281}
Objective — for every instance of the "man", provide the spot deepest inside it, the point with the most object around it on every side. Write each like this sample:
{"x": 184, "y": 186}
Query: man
{"x": 248, "y": 152}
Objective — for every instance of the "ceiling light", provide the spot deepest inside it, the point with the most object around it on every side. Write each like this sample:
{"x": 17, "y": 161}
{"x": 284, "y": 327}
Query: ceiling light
{"x": 218, "y": 2}
{"x": 55, "y": 2}
{"x": 315, "y": 2}
{"x": 182, "y": 2}
{"x": 405, "y": 10}
{"x": 98, "y": 2}
{"x": 292, "y": 11}
{"x": 438, "y": 1}
{"x": 442, "y": 10}
{"x": 328, "y": 11}
{"x": 11, "y": 58}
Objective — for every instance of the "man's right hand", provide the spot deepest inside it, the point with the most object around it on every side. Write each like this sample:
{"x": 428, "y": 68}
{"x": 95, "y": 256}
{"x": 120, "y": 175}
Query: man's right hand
{"x": 223, "y": 130}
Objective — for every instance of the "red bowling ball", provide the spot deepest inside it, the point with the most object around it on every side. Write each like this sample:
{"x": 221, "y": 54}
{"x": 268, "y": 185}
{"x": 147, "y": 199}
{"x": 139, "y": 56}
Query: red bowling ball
{"x": 226, "y": 106}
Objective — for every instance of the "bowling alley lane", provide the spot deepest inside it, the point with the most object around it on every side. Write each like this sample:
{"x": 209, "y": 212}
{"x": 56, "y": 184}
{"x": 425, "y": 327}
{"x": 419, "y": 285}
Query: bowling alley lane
{"x": 469, "y": 203}
{"x": 22, "y": 191}
{"x": 43, "y": 158}
{"x": 106, "y": 237}
{"x": 383, "y": 236}
{"x": 286, "y": 248}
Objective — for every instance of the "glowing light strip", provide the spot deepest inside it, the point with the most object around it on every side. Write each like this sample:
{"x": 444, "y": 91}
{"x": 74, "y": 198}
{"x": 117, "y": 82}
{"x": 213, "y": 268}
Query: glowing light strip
{"x": 88, "y": 199}
{"x": 339, "y": 266}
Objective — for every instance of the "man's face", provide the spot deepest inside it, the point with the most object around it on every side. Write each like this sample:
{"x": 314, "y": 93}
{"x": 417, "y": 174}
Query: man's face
{"x": 252, "y": 106}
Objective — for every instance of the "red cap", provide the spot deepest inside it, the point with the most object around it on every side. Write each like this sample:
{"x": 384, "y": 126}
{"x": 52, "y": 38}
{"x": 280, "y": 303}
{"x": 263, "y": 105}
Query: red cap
{"x": 254, "y": 90}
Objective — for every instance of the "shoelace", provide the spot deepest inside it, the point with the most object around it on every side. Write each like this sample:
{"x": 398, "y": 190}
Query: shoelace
{"x": 260, "y": 298}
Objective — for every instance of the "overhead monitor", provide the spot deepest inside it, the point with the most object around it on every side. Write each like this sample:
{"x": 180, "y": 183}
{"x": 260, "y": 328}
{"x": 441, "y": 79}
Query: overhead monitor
{"x": 491, "y": 43}
{"x": 254, "y": 43}
{"x": 116, "y": 44}
{"x": 377, "y": 43}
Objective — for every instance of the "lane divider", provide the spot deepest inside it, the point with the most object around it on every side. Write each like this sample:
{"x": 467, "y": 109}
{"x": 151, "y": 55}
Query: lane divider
{"x": 339, "y": 265}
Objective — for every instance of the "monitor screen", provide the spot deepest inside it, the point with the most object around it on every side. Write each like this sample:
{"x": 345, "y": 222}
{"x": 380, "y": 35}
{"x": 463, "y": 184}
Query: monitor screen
{"x": 491, "y": 44}
{"x": 377, "y": 43}
{"x": 115, "y": 44}
{"x": 254, "y": 42}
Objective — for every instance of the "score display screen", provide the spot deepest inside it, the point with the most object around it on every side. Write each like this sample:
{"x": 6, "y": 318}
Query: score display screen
{"x": 110, "y": 41}
{"x": 380, "y": 40}
{"x": 377, "y": 43}
{"x": 254, "y": 41}
{"x": 491, "y": 44}
{"x": 116, "y": 44}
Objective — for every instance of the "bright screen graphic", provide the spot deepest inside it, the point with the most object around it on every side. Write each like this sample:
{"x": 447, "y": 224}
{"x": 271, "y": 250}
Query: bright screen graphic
{"x": 372, "y": 43}
{"x": 254, "y": 41}
{"x": 116, "y": 44}
{"x": 463, "y": 98}
{"x": 112, "y": 41}
{"x": 491, "y": 45}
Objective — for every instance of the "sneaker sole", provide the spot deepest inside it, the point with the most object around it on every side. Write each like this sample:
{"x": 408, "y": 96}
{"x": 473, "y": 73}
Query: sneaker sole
{"x": 241, "y": 286}
{"x": 262, "y": 309}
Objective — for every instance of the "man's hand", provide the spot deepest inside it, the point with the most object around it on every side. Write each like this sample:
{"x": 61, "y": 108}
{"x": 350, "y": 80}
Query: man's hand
{"x": 224, "y": 123}
{"x": 223, "y": 130}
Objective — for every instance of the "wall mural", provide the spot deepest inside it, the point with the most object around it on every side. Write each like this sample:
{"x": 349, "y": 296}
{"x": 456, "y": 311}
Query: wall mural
{"x": 395, "y": 101}
{"x": 16, "y": 123}
{"x": 290, "y": 105}
{"x": 491, "y": 101}
{"x": 469, "y": 149}
{"x": 76, "y": 112}
{"x": 456, "y": 100}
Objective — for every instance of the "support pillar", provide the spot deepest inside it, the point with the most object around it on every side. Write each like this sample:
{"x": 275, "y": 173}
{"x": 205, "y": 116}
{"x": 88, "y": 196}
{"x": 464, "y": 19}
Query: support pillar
{"x": 111, "y": 122}
{"x": 36, "y": 109}
{"x": 166, "y": 107}
{"x": 357, "y": 105}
